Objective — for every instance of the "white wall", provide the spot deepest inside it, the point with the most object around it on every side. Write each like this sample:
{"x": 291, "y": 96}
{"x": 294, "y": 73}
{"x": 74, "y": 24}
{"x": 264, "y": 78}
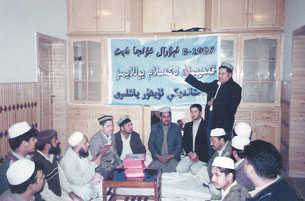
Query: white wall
{"x": 19, "y": 22}
{"x": 295, "y": 18}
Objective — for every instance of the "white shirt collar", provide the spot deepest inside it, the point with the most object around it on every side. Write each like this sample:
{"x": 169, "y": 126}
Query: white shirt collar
{"x": 222, "y": 149}
{"x": 238, "y": 163}
{"x": 257, "y": 190}
{"x": 108, "y": 138}
{"x": 126, "y": 149}
{"x": 226, "y": 192}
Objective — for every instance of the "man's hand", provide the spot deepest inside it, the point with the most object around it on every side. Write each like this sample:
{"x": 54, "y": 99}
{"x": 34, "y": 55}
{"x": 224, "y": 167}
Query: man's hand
{"x": 98, "y": 161}
{"x": 210, "y": 103}
{"x": 169, "y": 157}
{"x": 193, "y": 156}
{"x": 73, "y": 196}
{"x": 186, "y": 71}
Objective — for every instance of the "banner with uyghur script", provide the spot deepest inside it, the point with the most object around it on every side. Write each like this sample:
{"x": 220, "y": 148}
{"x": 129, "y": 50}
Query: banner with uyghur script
{"x": 150, "y": 71}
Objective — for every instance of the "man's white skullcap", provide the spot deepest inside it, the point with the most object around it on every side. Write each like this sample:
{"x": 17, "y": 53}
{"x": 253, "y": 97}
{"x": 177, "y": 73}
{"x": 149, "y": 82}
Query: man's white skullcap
{"x": 18, "y": 129}
{"x": 223, "y": 162}
{"x": 165, "y": 109}
{"x": 243, "y": 129}
{"x": 75, "y": 138}
{"x": 216, "y": 132}
{"x": 20, "y": 171}
{"x": 227, "y": 65}
{"x": 239, "y": 142}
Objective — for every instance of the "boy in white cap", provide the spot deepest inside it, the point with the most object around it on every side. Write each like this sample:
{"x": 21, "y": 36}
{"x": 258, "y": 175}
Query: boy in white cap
{"x": 79, "y": 169}
{"x": 223, "y": 96}
{"x": 25, "y": 180}
{"x": 237, "y": 153}
{"x": 22, "y": 142}
{"x": 47, "y": 152}
{"x": 128, "y": 141}
{"x": 104, "y": 136}
{"x": 242, "y": 129}
{"x": 223, "y": 179}
{"x": 165, "y": 142}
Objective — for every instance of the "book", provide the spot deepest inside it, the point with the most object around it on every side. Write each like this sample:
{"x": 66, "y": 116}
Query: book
{"x": 101, "y": 151}
{"x": 134, "y": 172}
{"x": 134, "y": 161}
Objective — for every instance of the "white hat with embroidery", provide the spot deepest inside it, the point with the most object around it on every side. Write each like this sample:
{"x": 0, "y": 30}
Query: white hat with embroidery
{"x": 223, "y": 162}
{"x": 75, "y": 138}
{"x": 165, "y": 109}
{"x": 243, "y": 129}
{"x": 239, "y": 142}
{"x": 18, "y": 129}
{"x": 216, "y": 132}
{"x": 20, "y": 171}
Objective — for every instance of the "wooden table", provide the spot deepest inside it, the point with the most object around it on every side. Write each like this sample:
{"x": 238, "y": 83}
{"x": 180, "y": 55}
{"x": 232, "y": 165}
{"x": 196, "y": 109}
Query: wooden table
{"x": 117, "y": 179}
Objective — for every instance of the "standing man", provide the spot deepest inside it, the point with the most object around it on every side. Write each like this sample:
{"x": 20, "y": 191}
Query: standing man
{"x": 165, "y": 142}
{"x": 223, "y": 96}
{"x": 128, "y": 141}
{"x": 79, "y": 169}
{"x": 22, "y": 142}
{"x": 263, "y": 165}
{"x": 104, "y": 136}
{"x": 223, "y": 179}
{"x": 47, "y": 152}
{"x": 194, "y": 142}
{"x": 25, "y": 180}
{"x": 237, "y": 153}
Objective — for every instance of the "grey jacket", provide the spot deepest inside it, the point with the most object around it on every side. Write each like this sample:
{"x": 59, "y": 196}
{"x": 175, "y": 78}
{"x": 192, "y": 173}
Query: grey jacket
{"x": 237, "y": 193}
{"x": 110, "y": 159}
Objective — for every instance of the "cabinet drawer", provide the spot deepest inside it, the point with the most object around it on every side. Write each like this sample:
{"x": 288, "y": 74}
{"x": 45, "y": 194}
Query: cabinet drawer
{"x": 266, "y": 115}
{"x": 243, "y": 115}
{"x": 79, "y": 112}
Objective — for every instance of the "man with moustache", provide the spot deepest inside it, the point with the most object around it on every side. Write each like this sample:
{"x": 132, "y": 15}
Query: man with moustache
{"x": 194, "y": 142}
{"x": 47, "y": 152}
{"x": 223, "y": 96}
{"x": 79, "y": 169}
{"x": 165, "y": 143}
{"x": 128, "y": 141}
{"x": 104, "y": 136}
{"x": 22, "y": 140}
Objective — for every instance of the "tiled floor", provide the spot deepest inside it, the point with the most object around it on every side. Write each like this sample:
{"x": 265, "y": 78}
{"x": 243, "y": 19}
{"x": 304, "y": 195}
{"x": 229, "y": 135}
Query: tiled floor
{"x": 298, "y": 184}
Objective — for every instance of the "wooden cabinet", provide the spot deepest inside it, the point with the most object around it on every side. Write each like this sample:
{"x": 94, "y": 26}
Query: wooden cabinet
{"x": 247, "y": 14}
{"x": 97, "y": 15}
{"x": 168, "y": 15}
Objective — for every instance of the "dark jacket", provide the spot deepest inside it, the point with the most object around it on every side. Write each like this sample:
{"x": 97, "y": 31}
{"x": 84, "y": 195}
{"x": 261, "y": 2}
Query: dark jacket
{"x": 174, "y": 140}
{"x": 136, "y": 144}
{"x": 201, "y": 144}
{"x": 278, "y": 191}
{"x": 225, "y": 104}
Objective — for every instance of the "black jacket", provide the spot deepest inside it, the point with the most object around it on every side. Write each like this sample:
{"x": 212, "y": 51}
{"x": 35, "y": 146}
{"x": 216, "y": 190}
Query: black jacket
{"x": 201, "y": 144}
{"x": 278, "y": 191}
{"x": 136, "y": 144}
{"x": 225, "y": 104}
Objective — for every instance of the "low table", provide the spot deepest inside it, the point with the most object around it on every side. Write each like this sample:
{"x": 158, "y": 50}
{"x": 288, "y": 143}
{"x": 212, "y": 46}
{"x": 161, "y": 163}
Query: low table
{"x": 117, "y": 179}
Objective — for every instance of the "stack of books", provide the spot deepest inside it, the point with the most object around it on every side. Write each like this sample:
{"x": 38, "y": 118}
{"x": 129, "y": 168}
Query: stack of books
{"x": 134, "y": 165}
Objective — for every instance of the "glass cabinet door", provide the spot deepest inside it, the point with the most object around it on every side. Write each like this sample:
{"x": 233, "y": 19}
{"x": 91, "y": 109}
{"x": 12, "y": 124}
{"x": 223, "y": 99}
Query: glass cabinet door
{"x": 87, "y": 71}
{"x": 260, "y": 71}
{"x": 228, "y": 51}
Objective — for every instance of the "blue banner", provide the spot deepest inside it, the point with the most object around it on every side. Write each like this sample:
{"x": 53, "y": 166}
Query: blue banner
{"x": 150, "y": 71}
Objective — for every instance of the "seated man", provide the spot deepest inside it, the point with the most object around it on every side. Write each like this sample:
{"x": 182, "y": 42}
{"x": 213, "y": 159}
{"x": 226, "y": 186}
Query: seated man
{"x": 104, "y": 136}
{"x": 238, "y": 143}
{"x": 25, "y": 180}
{"x": 22, "y": 142}
{"x": 165, "y": 143}
{"x": 128, "y": 141}
{"x": 79, "y": 169}
{"x": 263, "y": 166}
{"x": 223, "y": 177}
{"x": 47, "y": 152}
{"x": 194, "y": 142}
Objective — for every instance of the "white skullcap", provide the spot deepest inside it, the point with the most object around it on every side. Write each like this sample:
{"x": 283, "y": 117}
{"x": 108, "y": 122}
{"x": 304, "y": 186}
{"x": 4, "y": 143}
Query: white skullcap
{"x": 227, "y": 65}
{"x": 165, "y": 109}
{"x": 223, "y": 162}
{"x": 18, "y": 129}
{"x": 20, "y": 171}
{"x": 218, "y": 132}
{"x": 239, "y": 142}
{"x": 75, "y": 138}
{"x": 243, "y": 129}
